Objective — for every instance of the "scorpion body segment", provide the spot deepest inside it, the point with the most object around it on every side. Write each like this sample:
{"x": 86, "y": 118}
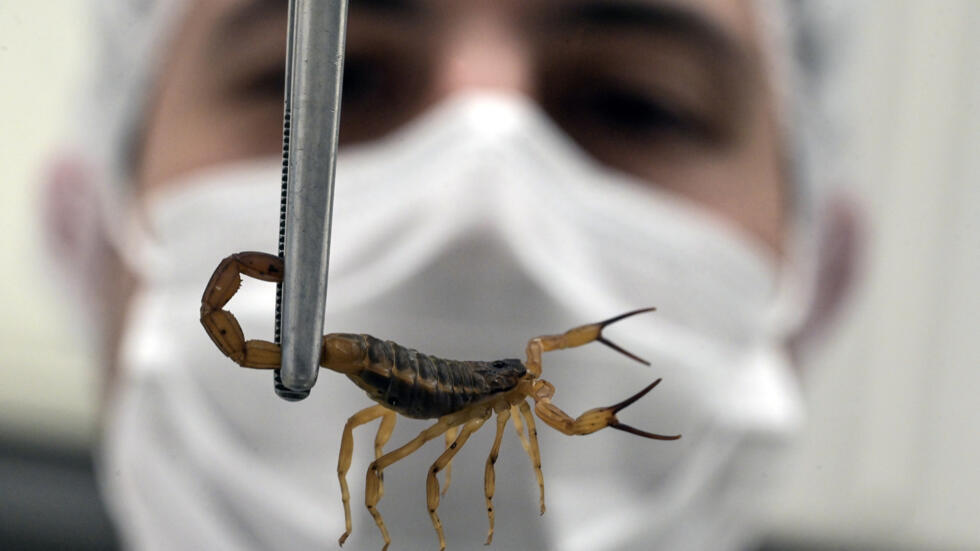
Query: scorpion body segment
{"x": 459, "y": 395}
{"x": 414, "y": 384}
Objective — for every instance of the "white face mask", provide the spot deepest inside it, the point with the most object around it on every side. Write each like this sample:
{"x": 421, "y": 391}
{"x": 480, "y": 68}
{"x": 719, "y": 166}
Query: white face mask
{"x": 464, "y": 235}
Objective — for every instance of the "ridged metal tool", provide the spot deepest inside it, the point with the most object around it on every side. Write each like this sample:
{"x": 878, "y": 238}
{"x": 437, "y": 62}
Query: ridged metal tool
{"x": 311, "y": 120}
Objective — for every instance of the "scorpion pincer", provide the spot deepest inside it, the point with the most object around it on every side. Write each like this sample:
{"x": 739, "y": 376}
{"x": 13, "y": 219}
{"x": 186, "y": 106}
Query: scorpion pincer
{"x": 460, "y": 395}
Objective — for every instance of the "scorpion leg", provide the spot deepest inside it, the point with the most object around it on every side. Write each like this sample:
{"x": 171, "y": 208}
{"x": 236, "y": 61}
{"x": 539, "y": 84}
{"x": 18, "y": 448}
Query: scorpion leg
{"x": 385, "y": 429}
{"x": 432, "y": 483}
{"x": 592, "y": 420}
{"x": 515, "y": 415}
{"x": 533, "y": 451}
{"x": 578, "y": 336}
{"x": 221, "y": 325}
{"x": 533, "y": 454}
{"x": 347, "y": 451}
{"x": 489, "y": 478}
{"x": 372, "y": 491}
{"x": 450, "y": 438}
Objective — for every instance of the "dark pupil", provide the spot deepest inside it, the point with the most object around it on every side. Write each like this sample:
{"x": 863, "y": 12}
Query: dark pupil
{"x": 498, "y": 364}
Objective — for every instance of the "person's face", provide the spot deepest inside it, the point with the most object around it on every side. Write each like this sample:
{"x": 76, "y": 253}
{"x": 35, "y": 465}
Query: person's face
{"x": 675, "y": 92}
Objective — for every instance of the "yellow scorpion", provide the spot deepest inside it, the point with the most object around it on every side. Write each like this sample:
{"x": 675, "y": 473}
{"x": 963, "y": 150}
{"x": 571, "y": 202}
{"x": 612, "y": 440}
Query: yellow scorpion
{"x": 461, "y": 395}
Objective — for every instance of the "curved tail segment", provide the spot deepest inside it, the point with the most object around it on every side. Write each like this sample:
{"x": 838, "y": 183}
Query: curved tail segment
{"x": 222, "y": 326}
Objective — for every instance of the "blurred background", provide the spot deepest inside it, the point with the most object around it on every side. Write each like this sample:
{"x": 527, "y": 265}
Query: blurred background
{"x": 889, "y": 459}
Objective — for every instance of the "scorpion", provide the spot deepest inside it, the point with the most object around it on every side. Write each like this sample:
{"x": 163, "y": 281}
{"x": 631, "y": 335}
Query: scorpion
{"x": 460, "y": 395}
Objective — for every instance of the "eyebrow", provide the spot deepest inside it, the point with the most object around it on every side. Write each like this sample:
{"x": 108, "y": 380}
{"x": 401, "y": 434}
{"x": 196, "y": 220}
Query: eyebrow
{"x": 242, "y": 20}
{"x": 658, "y": 18}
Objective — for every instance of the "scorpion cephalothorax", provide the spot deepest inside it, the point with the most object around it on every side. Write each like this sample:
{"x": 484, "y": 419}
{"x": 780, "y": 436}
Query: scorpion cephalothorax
{"x": 461, "y": 395}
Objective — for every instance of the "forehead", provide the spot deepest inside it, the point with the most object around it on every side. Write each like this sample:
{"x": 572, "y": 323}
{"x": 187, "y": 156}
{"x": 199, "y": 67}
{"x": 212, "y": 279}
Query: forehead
{"x": 735, "y": 16}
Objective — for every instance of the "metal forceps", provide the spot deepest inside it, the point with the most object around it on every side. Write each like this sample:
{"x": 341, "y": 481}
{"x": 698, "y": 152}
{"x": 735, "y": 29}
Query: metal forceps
{"x": 311, "y": 119}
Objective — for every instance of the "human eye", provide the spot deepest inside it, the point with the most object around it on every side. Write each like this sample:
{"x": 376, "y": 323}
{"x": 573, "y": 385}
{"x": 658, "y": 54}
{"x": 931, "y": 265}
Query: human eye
{"x": 624, "y": 88}
{"x": 383, "y": 88}
{"x": 591, "y": 109}
{"x": 387, "y": 71}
